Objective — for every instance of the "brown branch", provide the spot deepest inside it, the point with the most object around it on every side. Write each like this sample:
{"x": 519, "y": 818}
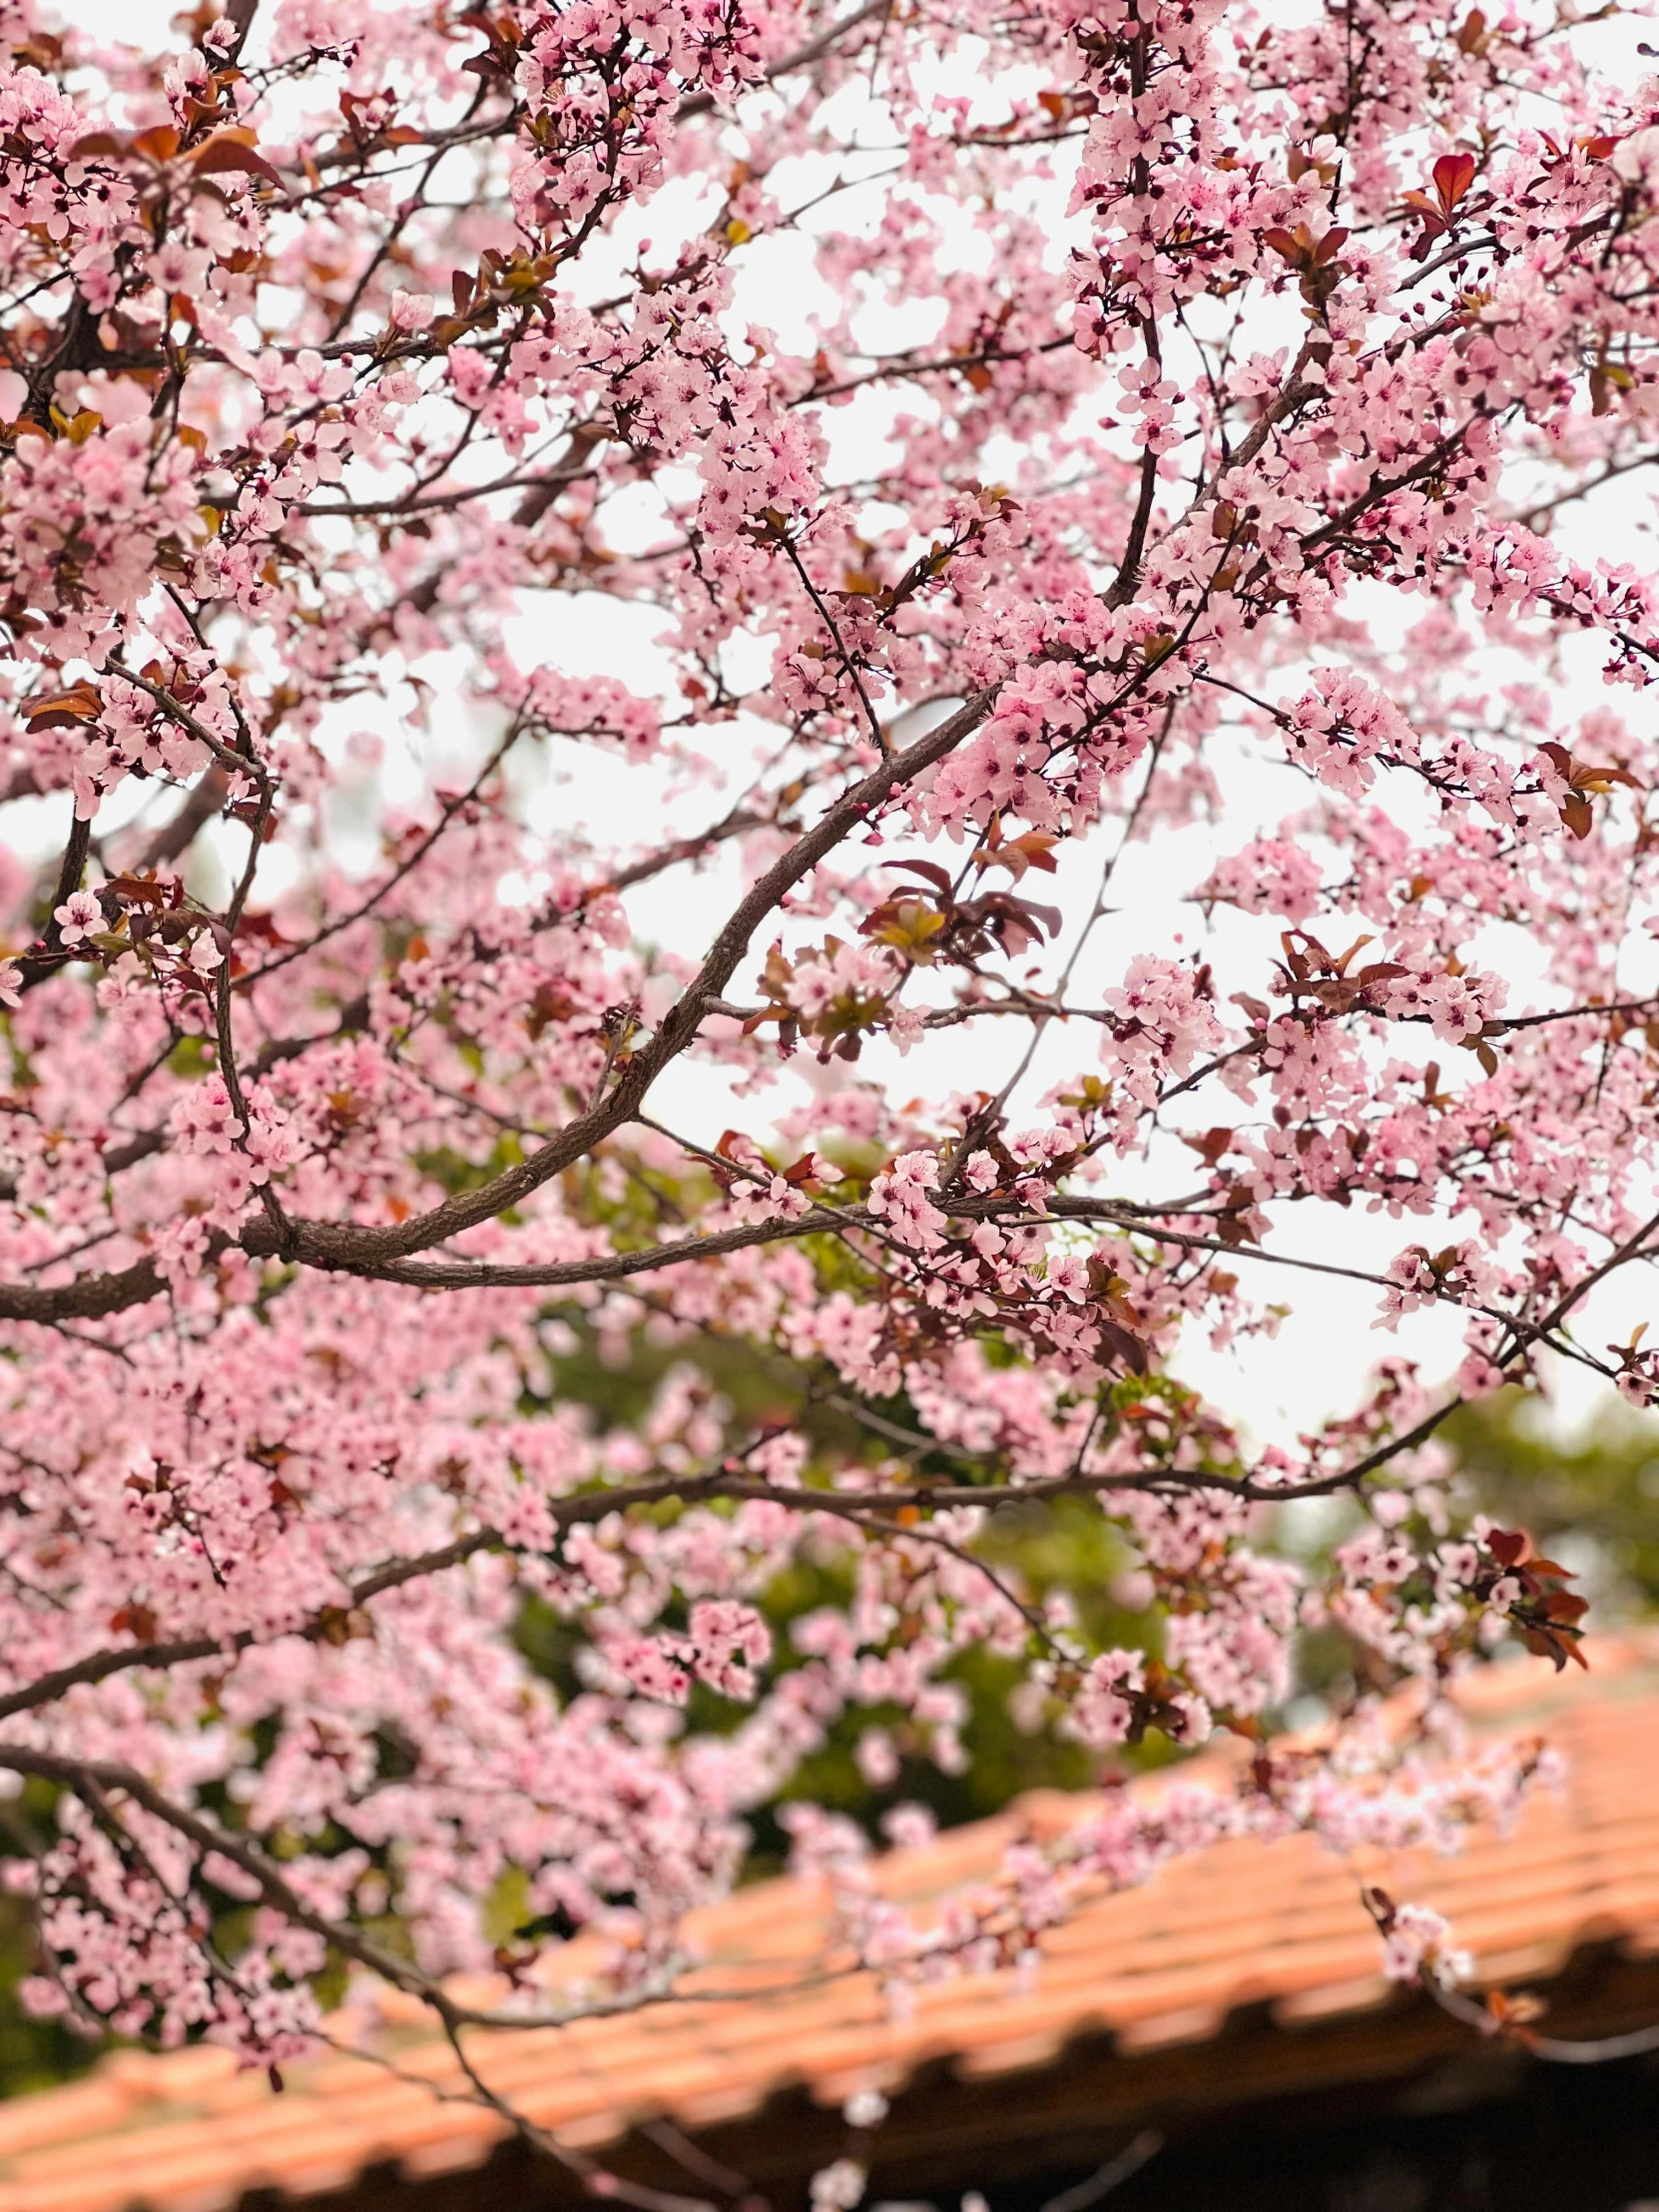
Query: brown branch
{"x": 86, "y": 1298}
{"x": 460, "y": 1275}
{"x": 1554, "y": 2050}
{"x": 705, "y": 103}
{"x": 568, "y": 1513}
{"x": 37, "y": 966}
{"x": 330, "y": 1244}
{"x": 93, "y": 1780}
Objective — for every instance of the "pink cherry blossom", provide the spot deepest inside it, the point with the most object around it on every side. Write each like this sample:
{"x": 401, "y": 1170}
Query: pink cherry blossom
{"x": 669, "y": 758}
{"x": 79, "y": 915}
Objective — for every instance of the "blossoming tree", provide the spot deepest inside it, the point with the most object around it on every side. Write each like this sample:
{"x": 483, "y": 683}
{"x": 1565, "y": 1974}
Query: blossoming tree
{"x": 1265, "y": 372}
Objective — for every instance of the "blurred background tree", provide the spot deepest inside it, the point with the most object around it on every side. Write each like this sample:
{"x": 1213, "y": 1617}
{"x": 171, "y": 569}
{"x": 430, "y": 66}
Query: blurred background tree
{"x": 1589, "y": 1497}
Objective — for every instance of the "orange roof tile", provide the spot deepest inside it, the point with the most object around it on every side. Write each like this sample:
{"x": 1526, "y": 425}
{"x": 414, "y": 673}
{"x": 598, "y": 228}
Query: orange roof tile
{"x": 1244, "y": 1925}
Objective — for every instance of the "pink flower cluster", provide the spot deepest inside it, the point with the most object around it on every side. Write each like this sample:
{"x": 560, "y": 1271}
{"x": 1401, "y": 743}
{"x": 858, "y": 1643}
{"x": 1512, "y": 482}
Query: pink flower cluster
{"x": 539, "y": 577}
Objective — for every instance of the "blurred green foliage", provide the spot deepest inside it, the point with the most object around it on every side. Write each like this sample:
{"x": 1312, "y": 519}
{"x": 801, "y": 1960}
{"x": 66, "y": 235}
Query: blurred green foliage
{"x": 1589, "y": 1498}
{"x": 33, "y": 2053}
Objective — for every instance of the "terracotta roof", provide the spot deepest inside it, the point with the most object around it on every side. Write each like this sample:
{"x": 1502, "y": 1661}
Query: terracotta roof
{"x": 1270, "y": 1926}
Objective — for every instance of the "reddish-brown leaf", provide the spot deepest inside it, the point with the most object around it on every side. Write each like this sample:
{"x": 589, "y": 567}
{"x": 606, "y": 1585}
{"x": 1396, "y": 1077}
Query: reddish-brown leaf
{"x": 229, "y": 151}
{"x": 1575, "y": 814}
{"x": 1452, "y": 174}
{"x": 66, "y": 710}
